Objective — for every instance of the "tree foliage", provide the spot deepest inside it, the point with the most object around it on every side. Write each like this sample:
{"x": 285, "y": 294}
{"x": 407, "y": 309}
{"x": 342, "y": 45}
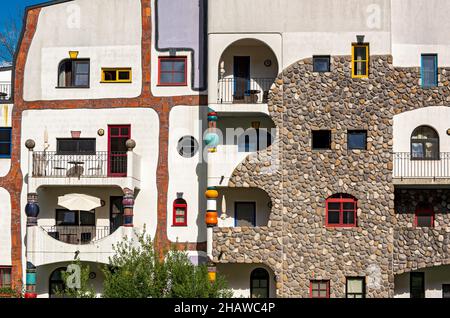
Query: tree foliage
{"x": 86, "y": 289}
{"x": 138, "y": 270}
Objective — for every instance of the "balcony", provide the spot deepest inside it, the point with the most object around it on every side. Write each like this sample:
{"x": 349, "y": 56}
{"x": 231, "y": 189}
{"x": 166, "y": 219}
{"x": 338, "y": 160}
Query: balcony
{"x": 5, "y": 91}
{"x": 239, "y": 90}
{"x": 408, "y": 170}
{"x": 78, "y": 234}
{"x": 99, "y": 168}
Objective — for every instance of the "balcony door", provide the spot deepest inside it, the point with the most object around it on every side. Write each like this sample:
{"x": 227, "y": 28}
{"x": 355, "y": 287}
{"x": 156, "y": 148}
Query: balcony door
{"x": 117, "y": 150}
{"x": 241, "y": 72}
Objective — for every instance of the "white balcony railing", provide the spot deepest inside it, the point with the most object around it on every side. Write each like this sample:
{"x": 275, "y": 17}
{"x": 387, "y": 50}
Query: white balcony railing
{"x": 407, "y": 167}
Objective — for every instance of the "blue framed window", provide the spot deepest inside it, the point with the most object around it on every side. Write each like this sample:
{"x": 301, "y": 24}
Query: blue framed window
{"x": 5, "y": 142}
{"x": 321, "y": 64}
{"x": 429, "y": 70}
{"x": 357, "y": 139}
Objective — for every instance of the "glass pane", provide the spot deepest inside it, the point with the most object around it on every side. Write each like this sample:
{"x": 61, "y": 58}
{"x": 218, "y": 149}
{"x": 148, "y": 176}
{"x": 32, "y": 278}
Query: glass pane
{"x": 355, "y": 286}
{"x": 86, "y": 145}
{"x": 82, "y": 68}
{"x": 315, "y": 293}
{"x": 125, "y": 131}
{"x": 245, "y": 214}
{"x": 323, "y": 293}
{"x": 87, "y": 218}
{"x": 179, "y": 66}
{"x": 110, "y": 75}
{"x": 179, "y": 78}
{"x": 67, "y": 145}
{"x": 360, "y": 68}
{"x": 333, "y": 217}
{"x": 5, "y": 149}
{"x": 81, "y": 80}
{"x": 263, "y": 283}
{"x": 65, "y": 218}
{"x": 179, "y": 219}
{"x": 349, "y": 206}
{"x": 446, "y": 291}
{"x": 5, "y": 135}
{"x": 180, "y": 211}
{"x": 417, "y": 150}
{"x": 114, "y": 131}
{"x": 166, "y": 65}
{"x": 360, "y": 53}
{"x": 118, "y": 144}
{"x": 357, "y": 140}
{"x": 124, "y": 75}
{"x": 321, "y": 64}
{"x": 334, "y": 206}
{"x": 259, "y": 293}
{"x": 166, "y": 78}
{"x": 349, "y": 217}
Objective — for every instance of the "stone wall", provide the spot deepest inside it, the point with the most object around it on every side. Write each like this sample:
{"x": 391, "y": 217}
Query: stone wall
{"x": 302, "y": 101}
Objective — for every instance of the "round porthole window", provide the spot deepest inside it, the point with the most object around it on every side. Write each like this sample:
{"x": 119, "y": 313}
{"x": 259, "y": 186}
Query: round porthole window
{"x": 187, "y": 146}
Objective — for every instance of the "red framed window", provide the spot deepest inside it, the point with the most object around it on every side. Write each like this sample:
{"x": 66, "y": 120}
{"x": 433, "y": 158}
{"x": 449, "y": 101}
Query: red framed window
{"x": 172, "y": 71}
{"x": 341, "y": 211}
{"x": 424, "y": 216}
{"x": 179, "y": 212}
{"x": 319, "y": 289}
{"x": 5, "y": 276}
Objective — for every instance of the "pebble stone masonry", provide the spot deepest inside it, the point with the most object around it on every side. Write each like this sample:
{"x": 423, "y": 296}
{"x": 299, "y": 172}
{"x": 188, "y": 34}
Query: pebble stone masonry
{"x": 296, "y": 245}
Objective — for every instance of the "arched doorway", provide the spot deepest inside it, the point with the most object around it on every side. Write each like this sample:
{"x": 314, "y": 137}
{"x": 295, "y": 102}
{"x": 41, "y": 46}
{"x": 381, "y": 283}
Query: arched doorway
{"x": 56, "y": 283}
{"x": 259, "y": 283}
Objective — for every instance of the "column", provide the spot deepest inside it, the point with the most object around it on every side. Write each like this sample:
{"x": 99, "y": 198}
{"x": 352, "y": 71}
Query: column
{"x": 211, "y": 141}
{"x": 128, "y": 206}
{"x": 32, "y": 213}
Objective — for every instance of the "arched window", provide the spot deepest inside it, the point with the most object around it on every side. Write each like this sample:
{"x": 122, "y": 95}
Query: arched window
{"x": 73, "y": 73}
{"x": 254, "y": 139}
{"x": 424, "y": 144}
{"x": 259, "y": 283}
{"x": 187, "y": 146}
{"x": 341, "y": 211}
{"x": 56, "y": 283}
{"x": 179, "y": 212}
{"x": 424, "y": 215}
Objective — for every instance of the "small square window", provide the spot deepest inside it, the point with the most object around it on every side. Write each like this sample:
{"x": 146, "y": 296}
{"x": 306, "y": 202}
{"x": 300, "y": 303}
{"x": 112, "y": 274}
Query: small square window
{"x": 116, "y": 75}
{"x": 357, "y": 139}
{"x": 321, "y": 139}
{"x": 5, "y": 276}
{"x": 446, "y": 291}
{"x": 321, "y": 64}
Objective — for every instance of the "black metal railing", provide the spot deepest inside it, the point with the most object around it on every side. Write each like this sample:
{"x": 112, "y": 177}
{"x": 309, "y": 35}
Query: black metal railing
{"x": 406, "y": 166}
{"x": 97, "y": 165}
{"x": 5, "y": 91}
{"x": 77, "y": 234}
{"x": 244, "y": 90}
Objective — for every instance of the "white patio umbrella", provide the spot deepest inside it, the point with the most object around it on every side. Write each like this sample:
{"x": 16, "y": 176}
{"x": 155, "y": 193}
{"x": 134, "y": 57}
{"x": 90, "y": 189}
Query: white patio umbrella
{"x": 79, "y": 202}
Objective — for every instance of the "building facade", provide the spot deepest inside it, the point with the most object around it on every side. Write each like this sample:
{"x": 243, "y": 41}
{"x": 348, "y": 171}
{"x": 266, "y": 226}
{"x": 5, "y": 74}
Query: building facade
{"x": 298, "y": 147}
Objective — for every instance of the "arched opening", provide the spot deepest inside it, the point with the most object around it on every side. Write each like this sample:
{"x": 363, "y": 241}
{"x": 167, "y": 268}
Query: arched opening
{"x": 259, "y": 283}
{"x": 341, "y": 210}
{"x": 246, "y": 71}
{"x": 425, "y": 143}
{"x": 56, "y": 283}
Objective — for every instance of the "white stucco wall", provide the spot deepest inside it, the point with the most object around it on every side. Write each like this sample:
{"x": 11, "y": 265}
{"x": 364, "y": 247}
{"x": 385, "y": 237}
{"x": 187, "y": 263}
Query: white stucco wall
{"x": 5, "y": 121}
{"x": 144, "y": 130}
{"x": 108, "y": 32}
{"x": 437, "y": 117}
{"x": 434, "y": 279}
{"x": 420, "y": 26}
{"x": 238, "y": 278}
{"x": 187, "y": 175}
{"x": 5, "y": 227}
{"x": 5, "y": 76}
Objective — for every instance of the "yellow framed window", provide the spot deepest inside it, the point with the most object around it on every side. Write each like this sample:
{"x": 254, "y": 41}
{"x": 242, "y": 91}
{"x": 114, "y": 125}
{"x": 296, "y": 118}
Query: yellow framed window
{"x": 116, "y": 75}
{"x": 360, "y": 60}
